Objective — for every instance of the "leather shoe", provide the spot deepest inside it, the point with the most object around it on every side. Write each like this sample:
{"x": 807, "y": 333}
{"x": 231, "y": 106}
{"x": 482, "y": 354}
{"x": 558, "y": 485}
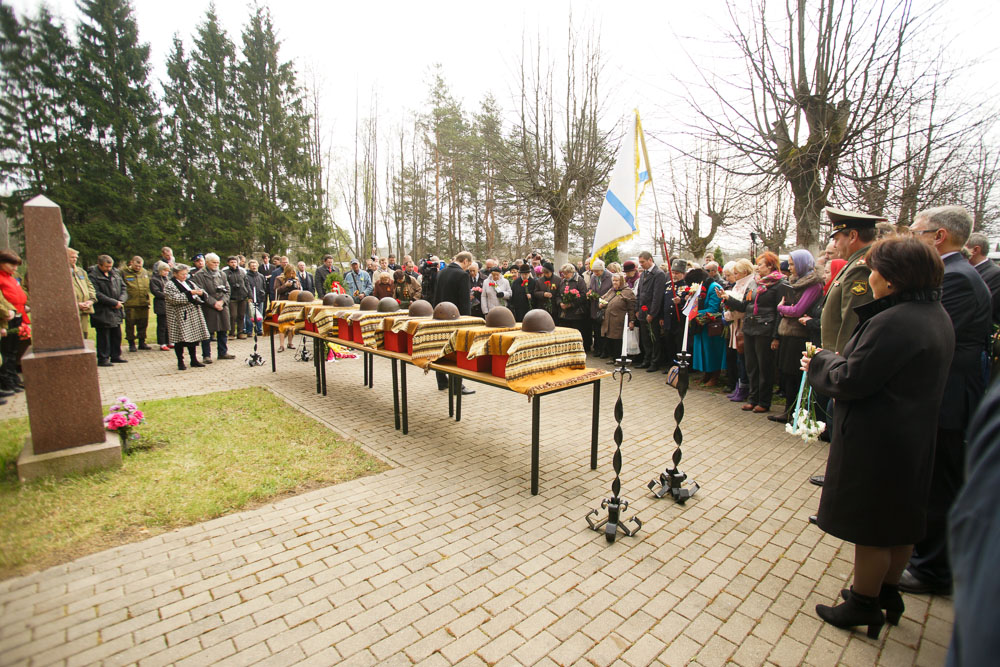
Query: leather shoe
{"x": 104, "y": 364}
{"x": 781, "y": 419}
{"x": 813, "y": 519}
{"x": 6, "y": 392}
{"x": 119, "y": 361}
{"x": 910, "y": 583}
{"x": 747, "y": 407}
{"x": 143, "y": 346}
{"x": 206, "y": 360}
{"x": 466, "y": 391}
{"x": 226, "y": 356}
{"x": 759, "y": 409}
{"x": 642, "y": 365}
{"x": 653, "y": 369}
{"x": 817, "y": 480}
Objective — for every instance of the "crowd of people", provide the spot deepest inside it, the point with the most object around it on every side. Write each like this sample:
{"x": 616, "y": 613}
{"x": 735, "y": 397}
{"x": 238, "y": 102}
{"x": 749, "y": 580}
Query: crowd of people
{"x": 903, "y": 321}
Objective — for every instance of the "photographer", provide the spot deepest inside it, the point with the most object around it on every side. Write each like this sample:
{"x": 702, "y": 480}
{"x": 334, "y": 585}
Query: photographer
{"x": 428, "y": 278}
{"x": 216, "y": 307}
{"x": 284, "y": 285}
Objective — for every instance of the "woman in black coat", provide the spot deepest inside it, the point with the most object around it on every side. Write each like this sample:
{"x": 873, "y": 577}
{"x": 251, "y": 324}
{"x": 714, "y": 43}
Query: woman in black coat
{"x": 887, "y": 389}
{"x": 522, "y": 287}
{"x": 760, "y": 329}
{"x": 574, "y": 309}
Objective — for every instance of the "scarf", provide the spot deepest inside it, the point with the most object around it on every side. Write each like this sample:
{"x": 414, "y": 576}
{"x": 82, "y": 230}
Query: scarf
{"x": 835, "y": 267}
{"x": 764, "y": 283}
{"x": 185, "y": 288}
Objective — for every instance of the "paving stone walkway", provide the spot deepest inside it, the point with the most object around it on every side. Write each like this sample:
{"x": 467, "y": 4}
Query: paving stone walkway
{"x": 448, "y": 559}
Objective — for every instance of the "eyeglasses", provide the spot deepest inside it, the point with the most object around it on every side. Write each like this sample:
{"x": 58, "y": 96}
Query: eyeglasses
{"x": 924, "y": 231}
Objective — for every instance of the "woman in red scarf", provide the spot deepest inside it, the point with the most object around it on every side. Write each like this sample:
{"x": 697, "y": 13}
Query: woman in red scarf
{"x": 834, "y": 266}
{"x": 16, "y": 326}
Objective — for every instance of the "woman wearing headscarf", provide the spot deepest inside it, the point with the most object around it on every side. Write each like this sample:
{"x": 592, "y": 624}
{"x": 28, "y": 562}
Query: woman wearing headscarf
{"x": 805, "y": 287}
{"x": 383, "y": 284}
{"x": 709, "y": 352}
{"x": 619, "y": 306}
{"x": 405, "y": 289}
{"x": 185, "y": 322}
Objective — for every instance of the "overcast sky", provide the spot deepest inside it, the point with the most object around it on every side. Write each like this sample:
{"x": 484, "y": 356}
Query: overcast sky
{"x": 357, "y": 47}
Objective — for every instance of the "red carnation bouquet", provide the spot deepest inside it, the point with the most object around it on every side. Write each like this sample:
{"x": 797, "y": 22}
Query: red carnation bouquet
{"x": 570, "y": 296}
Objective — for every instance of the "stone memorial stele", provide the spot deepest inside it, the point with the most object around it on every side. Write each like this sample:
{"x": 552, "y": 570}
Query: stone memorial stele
{"x": 60, "y": 371}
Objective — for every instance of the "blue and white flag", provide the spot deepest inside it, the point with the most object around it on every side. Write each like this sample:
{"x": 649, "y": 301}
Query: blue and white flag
{"x": 618, "y": 222}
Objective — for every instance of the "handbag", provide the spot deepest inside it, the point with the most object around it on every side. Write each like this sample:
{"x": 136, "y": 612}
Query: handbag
{"x": 672, "y": 375}
{"x": 633, "y": 342}
{"x": 714, "y": 328}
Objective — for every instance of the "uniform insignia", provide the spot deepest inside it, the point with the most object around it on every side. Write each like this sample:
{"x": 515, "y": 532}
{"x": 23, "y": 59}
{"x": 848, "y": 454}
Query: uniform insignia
{"x": 859, "y": 287}
{"x": 861, "y": 261}
{"x": 835, "y": 283}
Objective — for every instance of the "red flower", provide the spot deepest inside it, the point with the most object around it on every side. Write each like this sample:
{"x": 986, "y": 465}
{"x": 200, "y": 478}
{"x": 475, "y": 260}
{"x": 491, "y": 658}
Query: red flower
{"x": 645, "y": 308}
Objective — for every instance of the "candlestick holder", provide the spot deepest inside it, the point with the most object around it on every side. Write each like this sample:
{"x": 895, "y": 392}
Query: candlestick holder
{"x": 672, "y": 480}
{"x": 616, "y": 505}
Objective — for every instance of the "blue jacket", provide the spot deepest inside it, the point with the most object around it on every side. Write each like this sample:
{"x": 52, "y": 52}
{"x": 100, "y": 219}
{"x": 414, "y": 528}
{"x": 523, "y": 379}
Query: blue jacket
{"x": 359, "y": 282}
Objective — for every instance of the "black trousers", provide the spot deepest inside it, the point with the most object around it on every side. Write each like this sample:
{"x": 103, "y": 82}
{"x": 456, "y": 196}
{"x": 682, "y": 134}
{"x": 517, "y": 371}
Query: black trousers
{"x": 136, "y": 321}
{"x": 650, "y": 342}
{"x": 600, "y": 342}
{"x": 9, "y": 348}
{"x": 179, "y": 351}
{"x": 760, "y": 368}
{"x": 162, "y": 337}
{"x": 790, "y": 383}
{"x": 929, "y": 561}
{"x": 109, "y": 343}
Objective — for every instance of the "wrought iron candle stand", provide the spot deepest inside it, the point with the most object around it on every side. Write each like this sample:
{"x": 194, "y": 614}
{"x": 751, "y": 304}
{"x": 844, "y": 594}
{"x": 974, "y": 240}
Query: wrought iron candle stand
{"x": 616, "y": 505}
{"x": 671, "y": 480}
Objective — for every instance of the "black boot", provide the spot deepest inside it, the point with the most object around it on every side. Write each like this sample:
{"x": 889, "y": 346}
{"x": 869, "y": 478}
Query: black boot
{"x": 180, "y": 365}
{"x": 857, "y": 610}
{"x": 889, "y": 599}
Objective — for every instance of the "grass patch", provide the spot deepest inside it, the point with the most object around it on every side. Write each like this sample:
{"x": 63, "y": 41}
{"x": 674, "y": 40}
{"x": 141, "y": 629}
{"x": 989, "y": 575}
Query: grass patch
{"x": 200, "y": 457}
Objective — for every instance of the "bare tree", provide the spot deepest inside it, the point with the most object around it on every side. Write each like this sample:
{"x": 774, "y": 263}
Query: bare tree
{"x": 559, "y": 155}
{"x": 983, "y": 172}
{"x": 703, "y": 190}
{"x": 816, "y": 83}
{"x": 770, "y": 219}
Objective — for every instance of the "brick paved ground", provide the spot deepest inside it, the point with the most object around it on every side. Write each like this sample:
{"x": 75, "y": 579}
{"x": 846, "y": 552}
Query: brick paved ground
{"x": 447, "y": 558}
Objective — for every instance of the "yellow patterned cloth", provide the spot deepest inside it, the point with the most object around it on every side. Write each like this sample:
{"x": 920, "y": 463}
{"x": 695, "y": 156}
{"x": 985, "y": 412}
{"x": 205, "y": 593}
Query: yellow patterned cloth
{"x": 462, "y": 340}
{"x": 532, "y": 353}
{"x": 430, "y": 336}
{"x": 325, "y": 317}
{"x": 371, "y": 327}
{"x": 399, "y": 323}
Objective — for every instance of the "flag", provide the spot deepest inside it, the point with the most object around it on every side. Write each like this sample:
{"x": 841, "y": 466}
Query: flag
{"x": 691, "y": 309}
{"x": 617, "y": 222}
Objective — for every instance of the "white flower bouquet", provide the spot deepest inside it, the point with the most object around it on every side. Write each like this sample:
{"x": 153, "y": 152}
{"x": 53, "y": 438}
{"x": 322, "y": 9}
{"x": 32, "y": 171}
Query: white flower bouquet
{"x": 804, "y": 423}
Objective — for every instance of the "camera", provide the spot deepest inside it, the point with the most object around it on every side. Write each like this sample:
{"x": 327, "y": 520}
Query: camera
{"x": 427, "y": 268}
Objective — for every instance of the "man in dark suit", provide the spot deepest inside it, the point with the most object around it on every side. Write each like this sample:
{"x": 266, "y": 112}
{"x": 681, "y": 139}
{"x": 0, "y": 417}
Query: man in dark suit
{"x": 649, "y": 304}
{"x": 978, "y": 246}
{"x": 967, "y": 300}
{"x": 324, "y": 270}
{"x": 305, "y": 278}
{"x": 454, "y": 284}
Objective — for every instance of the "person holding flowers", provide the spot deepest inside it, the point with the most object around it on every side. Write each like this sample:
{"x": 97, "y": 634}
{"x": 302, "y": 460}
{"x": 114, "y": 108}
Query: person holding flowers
{"x": 598, "y": 285}
{"x": 887, "y": 387}
{"x": 545, "y": 291}
{"x": 495, "y": 290}
{"x": 17, "y": 326}
{"x": 618, "y": 304}
{"x": 574, "y": 311}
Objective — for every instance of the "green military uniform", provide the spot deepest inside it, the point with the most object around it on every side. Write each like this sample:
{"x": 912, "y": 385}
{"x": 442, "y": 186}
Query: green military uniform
{"x": 850, "y": 289}
{"x": 83, "y": 290}
{"x": 136, "y": 306}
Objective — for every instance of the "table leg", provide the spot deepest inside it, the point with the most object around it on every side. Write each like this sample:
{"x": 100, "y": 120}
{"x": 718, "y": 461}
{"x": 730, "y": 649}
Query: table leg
{"x": 535, "y": 410}
{"x": 451, "y": 395}
{"x": 402, "y": 396}
{"x": 395, "y": 394}
{"x": 322, "y": 363}
{"x": 316, "y": 366}
{"x": 594, "y": 422}
{"x": 371, "y": 370}
{"x": 274, "y": 368}
{"x": 364, "y": 363}
{"x": 458, "y": 398}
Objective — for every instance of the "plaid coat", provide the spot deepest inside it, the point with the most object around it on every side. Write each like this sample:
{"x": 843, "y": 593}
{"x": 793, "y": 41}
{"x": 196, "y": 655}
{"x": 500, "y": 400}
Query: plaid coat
{"x": 185, "y": 322}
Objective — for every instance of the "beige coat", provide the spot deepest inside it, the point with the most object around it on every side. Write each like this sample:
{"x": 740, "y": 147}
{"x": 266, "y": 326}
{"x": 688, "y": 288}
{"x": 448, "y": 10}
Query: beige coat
{"x": 83, "y": 290}
{"x": 619, "y": 307}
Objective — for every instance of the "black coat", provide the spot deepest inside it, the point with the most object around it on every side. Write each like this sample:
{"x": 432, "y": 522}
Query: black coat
{"x": 475, "y": 298}
{"x": 580, "y": 309}
{"x": 239, "y": 290}
{"x": 990, "y": 273}
{"x": 652, "y": 283}
{"x": 156, "y": 284}
{"x": 110, "y": 289}
{"x": 453, "y": 284}
{"x": 307, "y": 281}
{"x": 966, "y": 298}
{"x": 256, "y": 286}
{"x": 887, "y": 388}
{"x": 519, "y": 301}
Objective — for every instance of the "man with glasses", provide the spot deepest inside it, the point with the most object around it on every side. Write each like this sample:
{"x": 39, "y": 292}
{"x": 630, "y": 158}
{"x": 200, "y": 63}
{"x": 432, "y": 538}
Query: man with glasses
{"x": 966, "y": 298}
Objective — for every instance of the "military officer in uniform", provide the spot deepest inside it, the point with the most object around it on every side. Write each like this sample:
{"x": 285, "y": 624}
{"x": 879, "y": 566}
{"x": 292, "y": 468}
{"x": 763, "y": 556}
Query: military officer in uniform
{"x": 851, "y": 235}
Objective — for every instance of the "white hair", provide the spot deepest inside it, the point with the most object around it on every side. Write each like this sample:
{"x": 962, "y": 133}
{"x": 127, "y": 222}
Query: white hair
{"x": 597, "y": 265}
{"x": 568, "y": 266}
{"x": 211, "y": 257}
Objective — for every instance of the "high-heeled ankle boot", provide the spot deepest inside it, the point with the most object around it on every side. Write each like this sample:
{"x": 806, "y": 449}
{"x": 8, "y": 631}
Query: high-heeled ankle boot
{"x": 856, "y": 610}
{"x": 742, "y": 391}
{"x": 889, "y": 599}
